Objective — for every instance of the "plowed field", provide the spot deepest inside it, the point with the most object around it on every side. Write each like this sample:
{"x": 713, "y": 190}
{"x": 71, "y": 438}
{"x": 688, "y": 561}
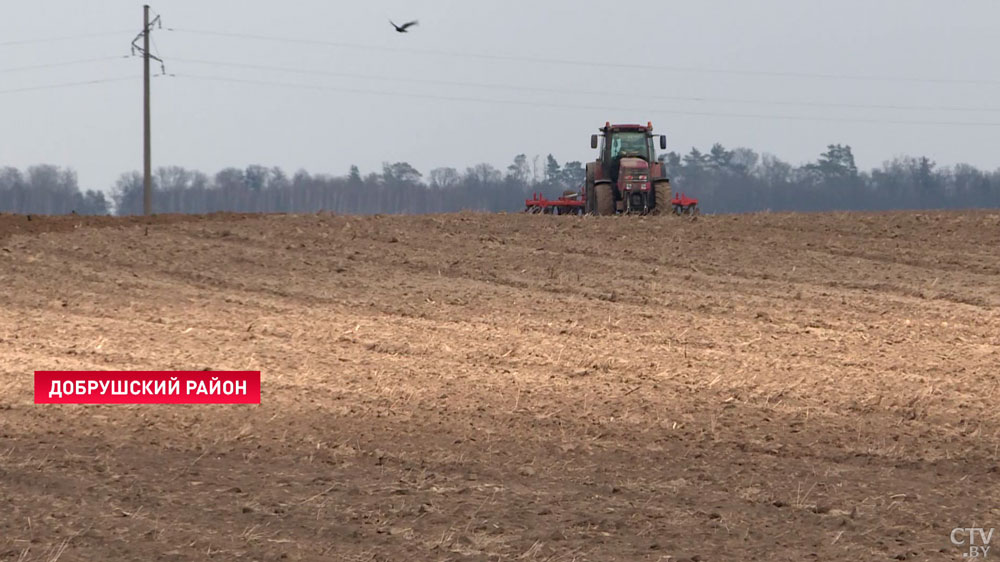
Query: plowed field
{"x": 507, "y": 387}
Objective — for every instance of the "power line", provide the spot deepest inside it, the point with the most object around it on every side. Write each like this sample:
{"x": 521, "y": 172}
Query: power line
{"x": 572, "y": 62}
{"x": 498, "y": 86}
{"x": 67, "y": 84}
{"x": 64, "y": 38}
{"x": 59, "y": 64}
{"x": 588, "y": 107}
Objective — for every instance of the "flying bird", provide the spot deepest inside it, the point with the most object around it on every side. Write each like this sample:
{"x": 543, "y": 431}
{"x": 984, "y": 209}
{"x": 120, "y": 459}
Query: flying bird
{"x": 404, "y": 27}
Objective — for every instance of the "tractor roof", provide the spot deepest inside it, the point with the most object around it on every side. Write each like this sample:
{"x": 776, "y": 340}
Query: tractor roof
{"x": 627, "y": 127}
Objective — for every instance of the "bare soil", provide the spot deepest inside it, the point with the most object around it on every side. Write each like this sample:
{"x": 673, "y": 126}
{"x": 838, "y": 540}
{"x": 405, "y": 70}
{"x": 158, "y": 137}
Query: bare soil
{"x": 505, "y": 387}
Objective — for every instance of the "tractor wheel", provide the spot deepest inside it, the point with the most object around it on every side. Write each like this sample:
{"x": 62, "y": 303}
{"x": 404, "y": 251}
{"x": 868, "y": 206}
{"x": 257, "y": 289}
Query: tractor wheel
{"x": 588, "y": 188}
{"x": 605, "y": 199}
{"x": 661, "y": 198}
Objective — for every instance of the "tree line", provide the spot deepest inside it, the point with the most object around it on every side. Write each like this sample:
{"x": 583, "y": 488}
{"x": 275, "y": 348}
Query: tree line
{"x": 741, "y": 180}
{"x": 47, "y": 189}
{"x": 724, "y": 180}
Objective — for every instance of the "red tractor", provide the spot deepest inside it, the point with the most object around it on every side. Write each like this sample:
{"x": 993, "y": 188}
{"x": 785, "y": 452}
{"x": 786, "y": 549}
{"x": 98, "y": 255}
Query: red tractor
{"x": 626, "y": 177}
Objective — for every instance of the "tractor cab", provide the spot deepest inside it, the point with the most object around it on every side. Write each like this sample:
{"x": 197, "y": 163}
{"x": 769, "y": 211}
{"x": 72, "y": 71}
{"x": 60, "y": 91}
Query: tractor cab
{"x": 618, "y": 143}
{"x": 624, "y": 141}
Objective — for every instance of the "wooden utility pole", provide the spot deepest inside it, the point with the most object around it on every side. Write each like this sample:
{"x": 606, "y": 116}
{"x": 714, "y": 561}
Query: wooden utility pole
{"x": 147, "y": 153}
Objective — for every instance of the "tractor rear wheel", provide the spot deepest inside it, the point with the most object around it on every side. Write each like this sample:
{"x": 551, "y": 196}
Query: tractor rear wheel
{"x": 588, "y": 188}
{"x": 605, "y": 199}
{"x": 661, "y": 198}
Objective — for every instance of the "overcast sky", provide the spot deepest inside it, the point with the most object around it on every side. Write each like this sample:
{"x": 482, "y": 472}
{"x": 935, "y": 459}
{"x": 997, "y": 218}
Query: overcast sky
{"x": 786, "y": 77}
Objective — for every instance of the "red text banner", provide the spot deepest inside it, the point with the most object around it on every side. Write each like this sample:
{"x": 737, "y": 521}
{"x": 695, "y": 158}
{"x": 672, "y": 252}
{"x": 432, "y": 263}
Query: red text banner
{"x": 147, "y": 387}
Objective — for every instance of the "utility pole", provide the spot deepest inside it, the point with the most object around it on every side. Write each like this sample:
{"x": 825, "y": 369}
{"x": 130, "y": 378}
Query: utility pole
{"x": 147, "y": 148}
{"x": 147, "y": 139}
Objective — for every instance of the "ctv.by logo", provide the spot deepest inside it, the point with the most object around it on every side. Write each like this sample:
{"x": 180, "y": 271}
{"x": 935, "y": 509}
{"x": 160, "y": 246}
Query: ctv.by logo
{"x": 976, "y": 538}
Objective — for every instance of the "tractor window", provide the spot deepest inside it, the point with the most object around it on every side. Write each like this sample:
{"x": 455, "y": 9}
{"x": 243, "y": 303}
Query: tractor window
{"x": 629, "y": 144}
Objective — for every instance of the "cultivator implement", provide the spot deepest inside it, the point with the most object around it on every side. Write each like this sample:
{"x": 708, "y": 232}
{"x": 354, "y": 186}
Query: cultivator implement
{"x": 568, "y": 204}
{"x": 572, "y": 204}
{"x": 684, "y": 205}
